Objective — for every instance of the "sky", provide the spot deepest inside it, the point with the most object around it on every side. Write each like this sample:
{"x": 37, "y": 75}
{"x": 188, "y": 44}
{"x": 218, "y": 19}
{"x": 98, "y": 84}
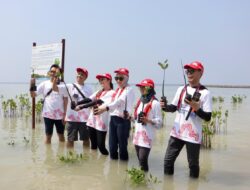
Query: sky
{"x": 103, "y": 35}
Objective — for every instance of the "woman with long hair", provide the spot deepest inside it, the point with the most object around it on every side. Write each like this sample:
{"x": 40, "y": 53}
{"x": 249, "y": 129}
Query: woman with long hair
{"x": 98, "y": 124}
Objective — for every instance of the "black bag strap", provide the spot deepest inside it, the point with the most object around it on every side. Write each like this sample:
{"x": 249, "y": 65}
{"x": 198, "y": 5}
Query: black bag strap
{"x": 48, "y": 93}
{"x": 79, "y": 91}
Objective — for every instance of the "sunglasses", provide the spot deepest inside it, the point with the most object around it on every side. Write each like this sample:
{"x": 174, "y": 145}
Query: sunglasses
{"x": 190, "y": 71}
{"x": 119, "y": 78}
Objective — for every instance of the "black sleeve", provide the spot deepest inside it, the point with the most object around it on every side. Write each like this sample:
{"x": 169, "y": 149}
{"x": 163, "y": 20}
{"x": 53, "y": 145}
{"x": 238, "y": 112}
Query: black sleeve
{"x": 170, "y": 108}
{"x": 204, "y": 115}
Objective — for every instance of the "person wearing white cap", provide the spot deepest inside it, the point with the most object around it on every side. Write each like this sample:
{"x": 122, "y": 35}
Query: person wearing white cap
{"x": 148, "y": 117}
{"x": 76, "y": 120}
{"x": 98, "y": 124}
{"x": 193, "y": 104}
{"x": 120, "y": 109}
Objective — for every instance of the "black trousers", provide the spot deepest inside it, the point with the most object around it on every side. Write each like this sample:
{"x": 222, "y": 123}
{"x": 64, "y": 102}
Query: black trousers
{"x": 142, "y": 155}
{"x": 118, "y": 137}
{"x": 174, "y": 147}
{"x": 98, "y": 139}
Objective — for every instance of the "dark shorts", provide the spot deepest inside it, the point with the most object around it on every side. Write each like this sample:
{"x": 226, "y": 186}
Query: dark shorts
{"x": 73, "y": 128}
{"x": 49, "y": 124}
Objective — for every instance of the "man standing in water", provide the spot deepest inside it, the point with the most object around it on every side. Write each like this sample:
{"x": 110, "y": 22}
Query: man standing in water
{"x": 193, "y": 104}
{"x": 76, "y": 120}
{"x": 120, "y": 108}
{"x": 54, "y": 105}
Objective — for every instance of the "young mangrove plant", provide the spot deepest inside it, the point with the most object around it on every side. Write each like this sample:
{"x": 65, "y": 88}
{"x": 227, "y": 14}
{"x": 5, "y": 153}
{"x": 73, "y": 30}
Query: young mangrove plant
{"x": 207, "y": 133}
{"x": 24, "y": 104}
{"x": 9, "y": 108}
{"x": 214, "y": 126}
{"x": 72, "y": 157}
{"x": 237, "y": 98}
{"x": 219, "y": 99}
{"x": 138, "y": 177}
{"x": 39, "y": 109}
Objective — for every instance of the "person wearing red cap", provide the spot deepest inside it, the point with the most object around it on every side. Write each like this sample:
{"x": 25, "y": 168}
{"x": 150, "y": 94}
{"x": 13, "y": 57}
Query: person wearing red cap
{"x": 76, "y": 120}
{"x": 148, "y": 117}
{"x": 193, "y": 104}
{"x": 98, "y": 124}
{"x": 54, "y": 105}
{"x": 120, "y": 108}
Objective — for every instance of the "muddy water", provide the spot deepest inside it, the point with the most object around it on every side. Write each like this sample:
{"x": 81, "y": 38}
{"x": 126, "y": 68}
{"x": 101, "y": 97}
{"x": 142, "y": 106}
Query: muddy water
{"x": 34, "y": 165}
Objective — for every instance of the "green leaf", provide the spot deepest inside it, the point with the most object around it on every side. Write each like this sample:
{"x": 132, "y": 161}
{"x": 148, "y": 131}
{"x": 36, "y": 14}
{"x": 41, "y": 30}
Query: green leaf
{"x": 163, "y": 66}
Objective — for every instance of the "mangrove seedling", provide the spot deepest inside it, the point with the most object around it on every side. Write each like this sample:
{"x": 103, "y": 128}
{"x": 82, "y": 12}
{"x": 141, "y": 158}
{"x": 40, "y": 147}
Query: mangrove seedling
{"x": 72, "y": 157}
{"x": 138, "y": 177}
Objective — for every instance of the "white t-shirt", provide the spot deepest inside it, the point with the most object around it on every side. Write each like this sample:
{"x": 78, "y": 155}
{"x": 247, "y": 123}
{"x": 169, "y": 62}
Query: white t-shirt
{"x": 53, "y": 104}
{"x": 144, "y": 134}
{"x": 124, "y": 97}
{"x": 100, "y": 122}
{"x": 190, "y": 130}
{"x": 71, "y": 115}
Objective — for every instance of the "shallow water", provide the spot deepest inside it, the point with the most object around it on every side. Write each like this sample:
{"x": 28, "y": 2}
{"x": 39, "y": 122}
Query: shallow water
{"x": 35, "y": 165}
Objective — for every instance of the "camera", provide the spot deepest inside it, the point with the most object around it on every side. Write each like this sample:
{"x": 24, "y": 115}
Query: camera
{"x": 196, "y": 96}
{"x": 72, "y": 105}
{"x": 188, "y": 97}
{"x": 140, "y": 115}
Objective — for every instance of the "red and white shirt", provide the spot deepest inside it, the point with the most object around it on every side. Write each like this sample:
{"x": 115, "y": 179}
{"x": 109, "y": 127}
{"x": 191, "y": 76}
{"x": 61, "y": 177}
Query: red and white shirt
{"x": 53, "y": 103}
{"x": 100, "y": 122}
{"x": 122, "y": 98}
{"x": 72, "y": 115}
{"x": 190, "y": 130}
{"x": 144, "y": 134}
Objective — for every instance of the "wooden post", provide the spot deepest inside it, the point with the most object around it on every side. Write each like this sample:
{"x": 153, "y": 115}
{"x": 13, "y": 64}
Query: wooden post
{"x": 63, "y": 55}
{"x": 33, "y": 104}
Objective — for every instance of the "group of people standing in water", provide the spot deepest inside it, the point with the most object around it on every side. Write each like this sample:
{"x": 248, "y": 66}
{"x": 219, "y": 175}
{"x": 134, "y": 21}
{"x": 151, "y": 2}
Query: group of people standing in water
{"x": 88, "y": 115}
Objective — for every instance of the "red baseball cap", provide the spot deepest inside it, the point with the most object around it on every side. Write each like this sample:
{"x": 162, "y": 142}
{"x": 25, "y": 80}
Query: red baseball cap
{"x": 122, "y": 71}
{"x": 195, "y": 65}
{"x": 146, "y": 82}
{"x": 105, "y": 75}
{"x": 82, "y": 70}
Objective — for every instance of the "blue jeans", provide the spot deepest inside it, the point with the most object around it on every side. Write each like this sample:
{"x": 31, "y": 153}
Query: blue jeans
{"x": 118, "y": 137}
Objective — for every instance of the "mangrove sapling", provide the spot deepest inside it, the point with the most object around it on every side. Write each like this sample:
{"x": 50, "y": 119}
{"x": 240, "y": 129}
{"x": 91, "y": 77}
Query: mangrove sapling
{"x": 207, "y": 133}
{"x": 39, "y": 108}
{"x": 24, "y": 103}
{"x": 163, "y": 66}
{"x": 221, "y": 99}
{"x": 237, "y": 98}
{"x": 214, "y": 126}
{"x": 5, "y": 108}
{"x": 72, "y": 157}
{"x": 214, "y": 99}
{"x": 13, "y": 107}
{"x": 138, "y": 177}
